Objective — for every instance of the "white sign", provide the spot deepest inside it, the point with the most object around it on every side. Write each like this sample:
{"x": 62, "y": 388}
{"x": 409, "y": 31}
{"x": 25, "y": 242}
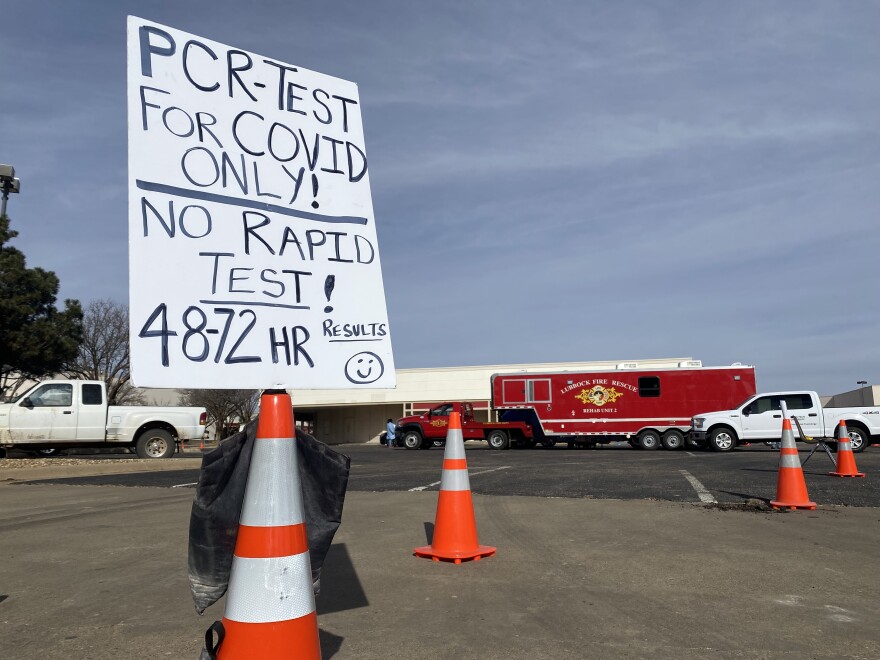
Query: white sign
{"x": 253, "y": 254}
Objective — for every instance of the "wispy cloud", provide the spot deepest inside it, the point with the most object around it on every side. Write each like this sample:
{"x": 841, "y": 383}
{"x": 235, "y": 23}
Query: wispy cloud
{"x": 586, "y": 179}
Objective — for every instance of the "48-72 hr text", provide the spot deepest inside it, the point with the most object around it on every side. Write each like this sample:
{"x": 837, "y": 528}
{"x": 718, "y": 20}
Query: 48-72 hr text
{"x": 198, "y": 342}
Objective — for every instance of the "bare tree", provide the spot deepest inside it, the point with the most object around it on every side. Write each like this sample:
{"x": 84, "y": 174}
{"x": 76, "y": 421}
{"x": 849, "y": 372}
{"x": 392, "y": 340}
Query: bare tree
{"x": 223, "y": 406}
{"x": 248, "y": 405}
{"x": 104, "y": 353}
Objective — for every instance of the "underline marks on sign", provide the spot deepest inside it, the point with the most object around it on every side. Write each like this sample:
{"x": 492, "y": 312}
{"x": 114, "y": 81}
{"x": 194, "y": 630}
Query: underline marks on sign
{"x": 252, "y": 304}
{"x": 248, "y": 203}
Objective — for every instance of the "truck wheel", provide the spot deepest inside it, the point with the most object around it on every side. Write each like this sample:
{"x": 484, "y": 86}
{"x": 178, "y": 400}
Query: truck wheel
{"x": 858, "y": 439}
{"x": 412, "y": 440}
{"x": 672, "y": 439}
{"x": 155, "y": 443}
{"x": 649, "y": 439}
{"x": 722, "y": 439}
{"x": 498, "y": 440}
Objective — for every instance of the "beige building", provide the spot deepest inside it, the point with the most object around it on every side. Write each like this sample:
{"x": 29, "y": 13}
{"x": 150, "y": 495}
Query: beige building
{"x": 359, "y": 415}
{"x": 867, "y": 395}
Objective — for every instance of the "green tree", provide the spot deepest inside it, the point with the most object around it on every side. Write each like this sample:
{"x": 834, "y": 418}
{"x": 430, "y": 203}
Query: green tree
{"x": 103, "y": 353}
{"x": 36, "y": 338}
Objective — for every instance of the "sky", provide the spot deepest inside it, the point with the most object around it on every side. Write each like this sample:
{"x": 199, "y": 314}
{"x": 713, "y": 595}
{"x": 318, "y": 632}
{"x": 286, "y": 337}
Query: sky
{"x": 552, "y": 182}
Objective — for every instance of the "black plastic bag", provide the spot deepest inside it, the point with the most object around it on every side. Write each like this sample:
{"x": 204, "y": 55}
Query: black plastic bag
{"x": 213, "y": 526}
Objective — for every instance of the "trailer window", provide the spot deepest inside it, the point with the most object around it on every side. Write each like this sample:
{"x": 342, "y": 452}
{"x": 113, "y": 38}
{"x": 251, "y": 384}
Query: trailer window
{"x": 539, "y": 391}
{"x": 649, "y": 386}
{"x": 513, "y": 391}
{"x": 91, "y": 395}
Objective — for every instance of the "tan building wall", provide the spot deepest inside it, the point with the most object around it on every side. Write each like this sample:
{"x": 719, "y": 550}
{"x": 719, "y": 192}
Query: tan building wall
{"x": 864, "y": 396}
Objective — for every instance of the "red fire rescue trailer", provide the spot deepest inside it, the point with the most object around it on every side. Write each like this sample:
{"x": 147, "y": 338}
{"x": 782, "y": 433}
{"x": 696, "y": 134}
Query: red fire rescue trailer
{"x": 647, "y": 407}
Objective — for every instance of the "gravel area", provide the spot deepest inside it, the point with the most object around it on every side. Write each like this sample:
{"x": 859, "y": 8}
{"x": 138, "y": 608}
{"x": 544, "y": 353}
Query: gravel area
{"x": 26, "y": 463}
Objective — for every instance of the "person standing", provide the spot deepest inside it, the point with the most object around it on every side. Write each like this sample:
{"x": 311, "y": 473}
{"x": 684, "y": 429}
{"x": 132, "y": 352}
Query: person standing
{"x": 389, "y": 433}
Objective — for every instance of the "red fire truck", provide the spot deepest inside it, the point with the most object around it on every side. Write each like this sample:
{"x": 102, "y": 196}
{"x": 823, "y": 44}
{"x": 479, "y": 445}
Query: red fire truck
{"x": 647, "y": 407}
{"x": 422, "y": 431}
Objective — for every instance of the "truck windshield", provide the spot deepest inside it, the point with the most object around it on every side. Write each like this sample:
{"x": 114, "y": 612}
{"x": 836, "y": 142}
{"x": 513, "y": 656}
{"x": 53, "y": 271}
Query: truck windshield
{"x": 744, "y": 401}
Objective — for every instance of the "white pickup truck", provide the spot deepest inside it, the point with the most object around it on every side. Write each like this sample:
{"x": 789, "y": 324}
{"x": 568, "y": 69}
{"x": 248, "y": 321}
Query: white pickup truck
{"x": 57, "y": 414}
{"x": 759, "y": 419}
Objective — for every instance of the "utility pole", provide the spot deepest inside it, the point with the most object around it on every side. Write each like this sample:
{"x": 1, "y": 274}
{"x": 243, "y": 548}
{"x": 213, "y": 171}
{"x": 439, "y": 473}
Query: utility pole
{"x": 8, "y": 184}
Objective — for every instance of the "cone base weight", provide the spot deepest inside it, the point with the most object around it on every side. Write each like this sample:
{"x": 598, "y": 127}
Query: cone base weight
{"x": 793, "y": 505}
{"x": 476, "y": 554}
{"x": 838, "y": 474}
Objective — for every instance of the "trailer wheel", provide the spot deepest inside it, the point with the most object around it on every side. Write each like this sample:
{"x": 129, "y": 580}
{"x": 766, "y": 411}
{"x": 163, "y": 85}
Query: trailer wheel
{"x": 498, "y": 439}
{"x": 412, "y": 440}
{"x": 155, "y": 443}
{"x": 672, "y": 439}
{"x": 858, "y": 439}
{"x": 722, "y": 439}
{"x": 649, "y": 439}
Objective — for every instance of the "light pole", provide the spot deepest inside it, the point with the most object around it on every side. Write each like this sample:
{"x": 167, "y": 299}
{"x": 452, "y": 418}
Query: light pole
{"x": 862, "y": 383}
{"x": 8, "y": 184}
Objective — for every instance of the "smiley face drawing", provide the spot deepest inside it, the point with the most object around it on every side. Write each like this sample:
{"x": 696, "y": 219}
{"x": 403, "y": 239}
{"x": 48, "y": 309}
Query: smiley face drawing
{"x": 364, "y": 368}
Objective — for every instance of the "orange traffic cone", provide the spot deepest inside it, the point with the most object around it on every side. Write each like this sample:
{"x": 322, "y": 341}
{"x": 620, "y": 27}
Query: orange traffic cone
{"x": 270, "y": 605}
{"x": 455, "y": 528}
{"x": 791, "y": 489}
{"x": 846, "y": 460}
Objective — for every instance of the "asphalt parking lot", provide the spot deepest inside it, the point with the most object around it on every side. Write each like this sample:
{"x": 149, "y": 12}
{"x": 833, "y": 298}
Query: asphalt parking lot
{"x": 745, "y": 476}
{"x": 612, "y": 553}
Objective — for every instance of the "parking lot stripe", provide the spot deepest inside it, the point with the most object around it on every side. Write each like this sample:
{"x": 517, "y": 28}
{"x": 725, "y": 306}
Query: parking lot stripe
{"x": 704, "y": 495}
{"x": 472, "y": 474}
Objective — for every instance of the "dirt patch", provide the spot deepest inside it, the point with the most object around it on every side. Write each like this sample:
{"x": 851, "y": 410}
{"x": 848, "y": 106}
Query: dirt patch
{"x": 752, "y": 504}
